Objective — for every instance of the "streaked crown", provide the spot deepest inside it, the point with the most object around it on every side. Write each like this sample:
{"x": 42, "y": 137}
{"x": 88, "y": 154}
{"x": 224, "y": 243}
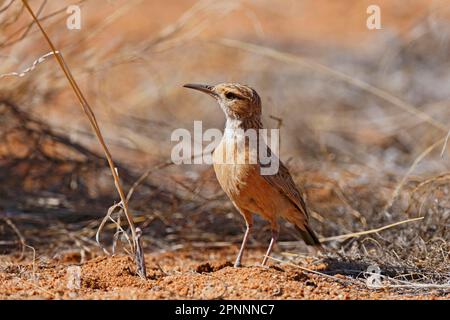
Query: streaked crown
{"x": 238, "y": 101}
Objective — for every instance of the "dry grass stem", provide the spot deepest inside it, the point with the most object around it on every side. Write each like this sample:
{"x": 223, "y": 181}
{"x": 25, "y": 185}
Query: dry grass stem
{"x": 416, "y": 161}
{"x": 29, "y": 69}
{"x": 92, "y": 119}
{"x": 362, "y": 233}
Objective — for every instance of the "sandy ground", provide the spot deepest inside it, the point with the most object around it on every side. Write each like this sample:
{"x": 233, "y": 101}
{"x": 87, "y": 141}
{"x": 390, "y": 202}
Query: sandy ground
{"x": 185, "y": 274}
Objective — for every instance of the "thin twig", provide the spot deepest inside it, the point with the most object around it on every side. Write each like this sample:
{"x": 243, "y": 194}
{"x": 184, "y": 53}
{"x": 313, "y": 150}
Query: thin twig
{"x": 8, "y": 42}
{"x": 22, "y": 243}
{"x": 19, "y": 235}
{"x": 144, "y": 176}
{"x": 445, "y": 144}
{"x": 29, "y": 69}
{"x": 410, "y": 170}
{"x": 345, "y": 282}
{"x": 361, "y": 233}
{"x": 102, "y": 225}
{"x": 411, "y": 285}
{"x": 6, "y": 7}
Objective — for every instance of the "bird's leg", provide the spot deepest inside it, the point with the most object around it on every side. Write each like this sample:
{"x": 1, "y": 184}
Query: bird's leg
{"x": 244, "y": 242}
{"x": 272, "y": 242}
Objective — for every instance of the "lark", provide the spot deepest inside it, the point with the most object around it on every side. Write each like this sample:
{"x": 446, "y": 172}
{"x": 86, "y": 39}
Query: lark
{"x": 272, "y": 196}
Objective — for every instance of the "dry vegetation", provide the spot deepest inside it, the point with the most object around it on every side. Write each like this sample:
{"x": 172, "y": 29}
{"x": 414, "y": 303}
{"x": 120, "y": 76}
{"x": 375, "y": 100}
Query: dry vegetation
{"x": 364, "y": 124}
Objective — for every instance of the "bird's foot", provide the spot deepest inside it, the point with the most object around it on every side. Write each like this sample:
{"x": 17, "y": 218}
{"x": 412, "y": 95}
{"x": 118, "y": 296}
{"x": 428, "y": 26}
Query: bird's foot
{"x": 237, "y": 264}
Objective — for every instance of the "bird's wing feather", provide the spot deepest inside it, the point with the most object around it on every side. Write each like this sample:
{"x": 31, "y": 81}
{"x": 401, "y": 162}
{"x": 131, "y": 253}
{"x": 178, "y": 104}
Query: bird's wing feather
{"x": 284, "y": 183}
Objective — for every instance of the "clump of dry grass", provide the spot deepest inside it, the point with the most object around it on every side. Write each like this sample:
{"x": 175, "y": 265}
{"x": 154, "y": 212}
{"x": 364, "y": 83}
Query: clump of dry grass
{"x": 135, "y": 244}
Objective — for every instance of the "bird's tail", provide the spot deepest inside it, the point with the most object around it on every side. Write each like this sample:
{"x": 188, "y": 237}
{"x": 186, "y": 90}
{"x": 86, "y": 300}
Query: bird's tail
{"x": 309, "y": 236}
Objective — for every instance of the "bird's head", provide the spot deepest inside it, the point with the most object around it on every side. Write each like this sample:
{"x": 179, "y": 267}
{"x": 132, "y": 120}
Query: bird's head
{"x": 238, "y": 101}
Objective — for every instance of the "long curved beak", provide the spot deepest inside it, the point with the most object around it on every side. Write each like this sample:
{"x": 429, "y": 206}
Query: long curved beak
{"x": 202, "y": 87}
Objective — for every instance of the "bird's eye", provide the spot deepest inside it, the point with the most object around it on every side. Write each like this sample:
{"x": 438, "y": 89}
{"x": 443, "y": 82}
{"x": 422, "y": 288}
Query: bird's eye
{"x": 231, "y": 96}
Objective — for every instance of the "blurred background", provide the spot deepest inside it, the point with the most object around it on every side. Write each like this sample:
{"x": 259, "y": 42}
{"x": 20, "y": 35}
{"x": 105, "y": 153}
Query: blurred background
{"x": 363, "y": 117}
